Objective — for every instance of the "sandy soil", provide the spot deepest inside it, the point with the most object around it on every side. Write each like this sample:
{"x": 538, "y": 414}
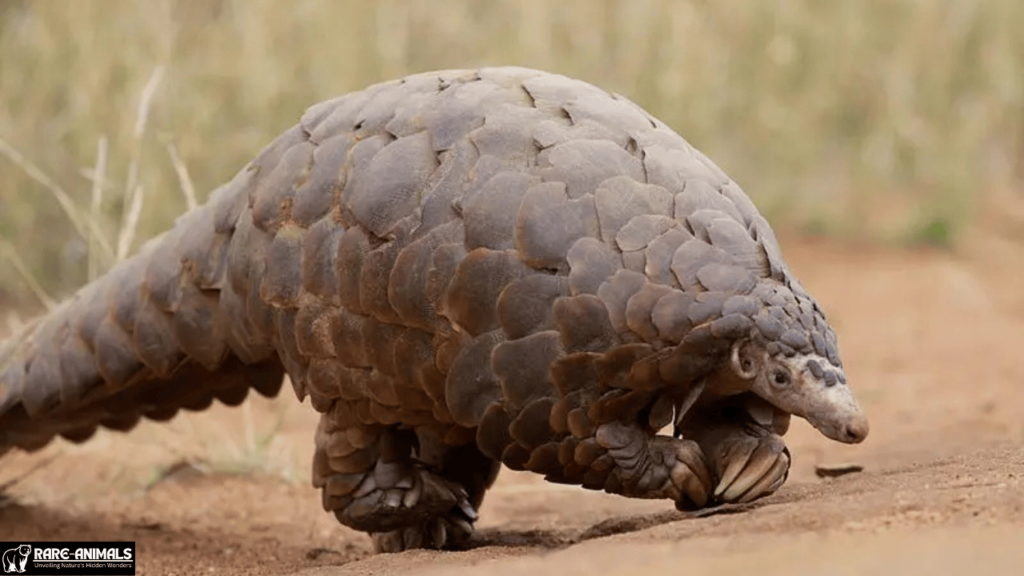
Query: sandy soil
{"x": 931, "y": 343}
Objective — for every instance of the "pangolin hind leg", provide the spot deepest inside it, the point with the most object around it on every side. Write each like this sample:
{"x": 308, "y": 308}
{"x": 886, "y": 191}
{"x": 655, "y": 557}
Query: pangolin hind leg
{"x": 407, "y": 490}
{"x": 464, "y": 466}
{"x": 744, "y": 448}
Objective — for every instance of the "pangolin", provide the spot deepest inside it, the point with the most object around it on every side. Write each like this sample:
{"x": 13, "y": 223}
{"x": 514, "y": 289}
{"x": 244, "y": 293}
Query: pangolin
{"x": 461, "y": 269}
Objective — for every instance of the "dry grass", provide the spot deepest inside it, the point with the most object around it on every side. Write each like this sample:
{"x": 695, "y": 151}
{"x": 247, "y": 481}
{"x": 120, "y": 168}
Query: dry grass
{"x": 881, "y": 118}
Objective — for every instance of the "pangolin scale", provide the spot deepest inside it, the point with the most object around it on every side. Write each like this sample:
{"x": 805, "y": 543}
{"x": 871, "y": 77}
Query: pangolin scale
{"x": 461, "y": 269}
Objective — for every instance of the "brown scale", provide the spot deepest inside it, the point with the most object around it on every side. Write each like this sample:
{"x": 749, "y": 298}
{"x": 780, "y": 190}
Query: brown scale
{"x": 490, "y": 209}
{"x": 549, "y": 222}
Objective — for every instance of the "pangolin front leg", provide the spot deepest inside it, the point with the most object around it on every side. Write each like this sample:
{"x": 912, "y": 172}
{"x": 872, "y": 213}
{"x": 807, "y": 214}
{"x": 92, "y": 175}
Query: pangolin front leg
{"x": 744, "y": 449}
{"x": 646, "y": 466}
{"x": 407, "y": 490}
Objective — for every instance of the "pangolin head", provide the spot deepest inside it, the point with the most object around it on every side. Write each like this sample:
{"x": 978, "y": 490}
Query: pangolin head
{"x": 791, "y": 361}
{"x": 804, "y": 385}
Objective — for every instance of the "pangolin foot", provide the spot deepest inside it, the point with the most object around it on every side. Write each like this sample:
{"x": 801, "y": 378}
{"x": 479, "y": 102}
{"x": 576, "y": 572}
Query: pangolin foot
{"x": 406, "y": 505}
{"x": 447, "y": 531}
{"x": 749, "y": 462}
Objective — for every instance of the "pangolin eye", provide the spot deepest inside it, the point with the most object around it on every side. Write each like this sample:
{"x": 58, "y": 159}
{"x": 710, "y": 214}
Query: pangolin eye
{"x": 780, "y": 377}
{"x": 746, "y": 363}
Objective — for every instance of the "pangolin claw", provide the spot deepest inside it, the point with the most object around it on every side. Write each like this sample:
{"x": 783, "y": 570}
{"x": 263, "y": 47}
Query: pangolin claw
{"x": 753, "y": 467}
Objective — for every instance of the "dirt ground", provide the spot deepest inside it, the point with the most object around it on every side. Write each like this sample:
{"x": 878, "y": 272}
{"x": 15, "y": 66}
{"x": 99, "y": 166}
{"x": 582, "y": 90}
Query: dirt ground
{"x": 930, "y": 340}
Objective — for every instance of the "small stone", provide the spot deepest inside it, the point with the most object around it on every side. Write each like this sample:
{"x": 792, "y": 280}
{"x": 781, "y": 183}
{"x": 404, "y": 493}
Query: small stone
{"x": 836, "y": 470}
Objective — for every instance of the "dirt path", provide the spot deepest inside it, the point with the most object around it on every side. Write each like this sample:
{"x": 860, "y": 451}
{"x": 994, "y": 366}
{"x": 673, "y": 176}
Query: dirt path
{"x": 932, "y": 345}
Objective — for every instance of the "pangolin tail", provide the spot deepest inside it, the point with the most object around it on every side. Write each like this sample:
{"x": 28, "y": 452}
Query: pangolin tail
{"x": 175, "y": 326}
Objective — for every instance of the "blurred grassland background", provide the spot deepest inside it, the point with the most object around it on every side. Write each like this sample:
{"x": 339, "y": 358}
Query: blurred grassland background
{"x": 883, "y": 120}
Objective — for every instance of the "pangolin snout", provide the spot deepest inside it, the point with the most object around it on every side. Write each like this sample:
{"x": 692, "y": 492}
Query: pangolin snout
{"x": 848, "y": 426}
{"x": 856, "y": 430}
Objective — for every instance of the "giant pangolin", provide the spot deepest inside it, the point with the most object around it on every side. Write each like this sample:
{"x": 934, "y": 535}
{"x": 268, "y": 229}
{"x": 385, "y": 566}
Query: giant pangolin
{"x": 461, "y": 269}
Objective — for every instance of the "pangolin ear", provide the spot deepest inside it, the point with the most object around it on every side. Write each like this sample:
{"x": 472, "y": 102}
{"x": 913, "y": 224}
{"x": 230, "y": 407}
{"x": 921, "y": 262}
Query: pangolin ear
{"x": 743, "y": 361}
